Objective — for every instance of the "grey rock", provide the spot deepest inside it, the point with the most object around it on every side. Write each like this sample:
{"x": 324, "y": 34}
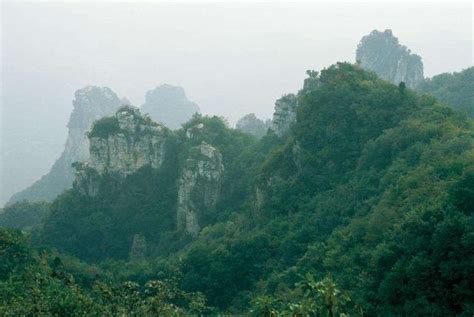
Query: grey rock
{"x": 381, "y": 53}
{"x": 138, "y": 248}
{"x": 137, "y": 143}
{"x": 134, "y": 142}
{"x": 90, "y": 104}
{"x": 195, "y": 129}
{"x": 169, "y": 105}
{"x": 252, "y": 125}
{"x": 87, "y": 179}
{"x": 199, "y": 187}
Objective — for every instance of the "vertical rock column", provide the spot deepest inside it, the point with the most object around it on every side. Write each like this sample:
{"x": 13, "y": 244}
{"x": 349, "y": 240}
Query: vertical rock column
{"x": 199, "y": 187}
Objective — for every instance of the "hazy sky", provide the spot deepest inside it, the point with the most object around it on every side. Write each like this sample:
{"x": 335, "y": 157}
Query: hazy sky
{"x": 231, "y": 59}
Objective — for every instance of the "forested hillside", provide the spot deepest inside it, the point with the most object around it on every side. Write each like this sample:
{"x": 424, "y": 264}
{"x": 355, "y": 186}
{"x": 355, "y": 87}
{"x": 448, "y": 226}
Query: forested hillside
{"x": 455, "y": 90}
{"x": 362, "y": 205}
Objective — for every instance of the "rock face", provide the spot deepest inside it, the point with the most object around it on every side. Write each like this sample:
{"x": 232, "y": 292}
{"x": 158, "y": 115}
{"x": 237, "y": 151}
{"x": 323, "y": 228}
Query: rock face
{"x": 124, "y": 143}
{"x": 169, "y": 105}
{"x": 285, "y": 114}
{"x": 199, "y": 187}
{"x": 381, "y": 53}
{"x": 120, "y": 145}
{"x": 90, "y": 104}
{"x": 252, "y": 125}
{"x": 138, "y": 248}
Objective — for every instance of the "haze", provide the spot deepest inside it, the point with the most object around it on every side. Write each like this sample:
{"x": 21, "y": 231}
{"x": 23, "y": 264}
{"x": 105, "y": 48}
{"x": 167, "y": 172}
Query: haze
{"x": 231, "y": 59}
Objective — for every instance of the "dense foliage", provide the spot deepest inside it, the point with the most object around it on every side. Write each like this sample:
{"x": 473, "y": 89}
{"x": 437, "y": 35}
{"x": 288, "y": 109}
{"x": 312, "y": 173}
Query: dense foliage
{"x": 105, "y": 127}
{"x": 43, "y": 283}
{"x": 455, "y": 90}
{"x": 23, "y": 215}
{"x": 364, "y": 207}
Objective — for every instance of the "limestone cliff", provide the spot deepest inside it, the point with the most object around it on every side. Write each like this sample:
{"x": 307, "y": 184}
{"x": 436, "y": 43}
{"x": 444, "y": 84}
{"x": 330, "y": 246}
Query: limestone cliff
{"x": 169, "y": 105}
{"x": 381, "y": 53}
{"x": 199, "y": 187}
{"x": 126, "y": 142}
{"x": 284, "y": 114}
{"x": 120, "y": 145}
{"x": 90, "y": 104}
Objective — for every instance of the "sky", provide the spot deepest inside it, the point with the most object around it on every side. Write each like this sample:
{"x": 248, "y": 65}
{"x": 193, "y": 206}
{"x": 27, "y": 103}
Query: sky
{"x": 231, "y": 58}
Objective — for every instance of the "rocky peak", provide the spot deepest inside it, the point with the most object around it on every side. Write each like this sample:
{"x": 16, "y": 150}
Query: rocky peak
{"x": 120, "y": 145}
{"x": 381, "y": 53}
{"x": 90, "y": 104}
{"x": 125, "y": 142}
{"x": 169, "y": 105}
{"x": 199, "y": 187}
{"x": 252, "y": 125}
{"x": 284, "y": 114}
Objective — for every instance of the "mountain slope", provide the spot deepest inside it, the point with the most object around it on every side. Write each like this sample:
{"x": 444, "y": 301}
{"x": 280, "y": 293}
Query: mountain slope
{"x": 455, "y": 90}
{"x": 90, "y": 104}
{"x": 362, "y": 206}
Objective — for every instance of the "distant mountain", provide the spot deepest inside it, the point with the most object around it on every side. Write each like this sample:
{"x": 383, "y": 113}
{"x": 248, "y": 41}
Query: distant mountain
{"x": 381, "y": 53}
{"x": 252, "y": 125}
{"x": 90, "y": 104}
{"x": 456, "y": 89}
{"x": 169, "y": 105}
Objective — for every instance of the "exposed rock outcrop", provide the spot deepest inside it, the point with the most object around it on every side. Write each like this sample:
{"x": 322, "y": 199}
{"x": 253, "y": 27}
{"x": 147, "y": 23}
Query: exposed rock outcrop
{"x": 252, "y": 125}
{"x": 120, "y": 145}
{"x": 199, "y": 187}
{"x": 90, "y": 104}
{"x": 381, "y": 53}
{"x": 126, "y": 142}
{"x": 284, "y": 114}
{"x": 138, "y": 248}
{"x": 169, "y": 105}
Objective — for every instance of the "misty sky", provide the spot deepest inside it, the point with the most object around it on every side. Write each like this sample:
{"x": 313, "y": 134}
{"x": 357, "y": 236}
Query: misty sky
{"x": 231, "y": 59}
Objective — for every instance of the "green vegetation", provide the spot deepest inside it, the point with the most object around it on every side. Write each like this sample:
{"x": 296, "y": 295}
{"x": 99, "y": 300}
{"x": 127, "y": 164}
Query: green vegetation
{"x": 365, "y": 208}
{"x": 23, "y": 215}
{"x": 455, "y": 90}
{"x": 252, "y": 125}
{"x": 43, "y": 283}
{"x": 104, "y": 127}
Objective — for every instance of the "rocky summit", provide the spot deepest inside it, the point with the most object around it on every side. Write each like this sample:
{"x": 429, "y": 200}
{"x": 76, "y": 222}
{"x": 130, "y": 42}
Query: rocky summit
{"x": 169, "y": 105}
{"x": 126, "y": 142}
{"x": 252, "y": 125}
{"x": 90, "y": 104}
{"x": 120, "y": 145}
{"x": 381, "y": 53}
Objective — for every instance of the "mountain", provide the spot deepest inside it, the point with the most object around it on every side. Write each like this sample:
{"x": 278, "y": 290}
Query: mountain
{"x": 169, "y": 105}
{"x": 381, "y": 53}
{"x": 252, "y": 125}
{"x": 455, "y": 90}
{"x": 361, "y": 204}
{"x": 178, "y": 179}
{"x": 90, "y": 104}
